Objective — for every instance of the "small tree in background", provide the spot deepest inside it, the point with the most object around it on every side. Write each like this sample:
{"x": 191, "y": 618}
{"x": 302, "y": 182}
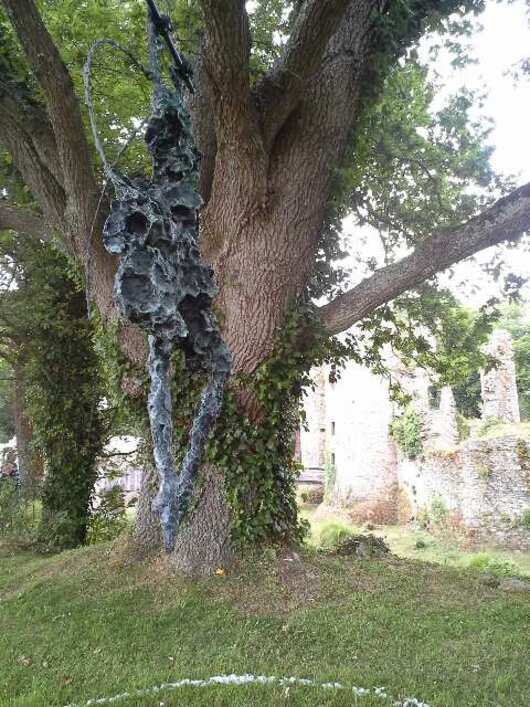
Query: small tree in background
{"x": 45, "y": 318}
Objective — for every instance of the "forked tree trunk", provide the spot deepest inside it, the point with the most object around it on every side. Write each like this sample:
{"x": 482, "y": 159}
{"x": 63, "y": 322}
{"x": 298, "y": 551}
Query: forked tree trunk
{"x": 260, "y": 230}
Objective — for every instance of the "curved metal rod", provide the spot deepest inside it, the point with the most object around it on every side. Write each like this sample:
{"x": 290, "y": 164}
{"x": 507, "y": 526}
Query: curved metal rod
{"x": 87, "y": 81}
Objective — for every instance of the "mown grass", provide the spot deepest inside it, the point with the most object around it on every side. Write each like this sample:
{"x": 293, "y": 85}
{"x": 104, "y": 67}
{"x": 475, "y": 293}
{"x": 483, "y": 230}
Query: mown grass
{"x": 83, "y": 624}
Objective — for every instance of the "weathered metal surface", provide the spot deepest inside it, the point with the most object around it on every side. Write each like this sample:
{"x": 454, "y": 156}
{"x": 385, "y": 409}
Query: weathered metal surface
{"x": 163, "y": 286}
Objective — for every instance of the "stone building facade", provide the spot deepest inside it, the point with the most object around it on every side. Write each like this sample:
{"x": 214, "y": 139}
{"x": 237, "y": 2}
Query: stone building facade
{"x": 483, "y": 485}
{"x": 347, "y": 428}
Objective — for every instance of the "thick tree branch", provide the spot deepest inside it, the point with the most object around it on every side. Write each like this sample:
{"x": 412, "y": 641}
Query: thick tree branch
{"x": 63, "y": 158}
{"x": 33, "y": 157}
{"x": 33, "y": 119}
{"x": 281, "y": 89}
{"x": 313, "y": 140}
{"x": 76, "y": 210}
{"x": 227, "y": 45}
{"x": 22, "y": 220}
{"x": 226, "y": 52}
{"x": 241, "y": 162}
{"x": 506, "y": 220}
{"x": 200, "y": 107}
{"x": 63, "y": 105}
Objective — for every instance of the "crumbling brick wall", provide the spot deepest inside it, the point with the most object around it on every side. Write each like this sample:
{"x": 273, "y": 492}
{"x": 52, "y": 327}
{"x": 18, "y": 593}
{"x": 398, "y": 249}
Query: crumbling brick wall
{"x": 485, "y": 482}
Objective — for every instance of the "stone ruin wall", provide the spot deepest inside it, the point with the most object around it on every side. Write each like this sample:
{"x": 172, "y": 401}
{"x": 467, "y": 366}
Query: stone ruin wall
{"x": 483, "y": 483}
{"x": 362, "y": 413}
{"x": 441, "y": 423}
{"x": 313, "y": 434}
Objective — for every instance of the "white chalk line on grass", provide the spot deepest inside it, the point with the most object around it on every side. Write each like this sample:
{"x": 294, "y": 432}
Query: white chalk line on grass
{"x": 379, "y": 692}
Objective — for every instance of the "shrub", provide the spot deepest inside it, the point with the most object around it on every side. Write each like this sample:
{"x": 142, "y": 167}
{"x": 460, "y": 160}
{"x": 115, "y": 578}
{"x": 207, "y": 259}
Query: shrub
{"x": 18, "y": 518}
{"x": 109, "y": 519}
{"x": 362, "y": 546}
{"x": 439, "y": 511}
{"x": 506, "y": 519}
{"x": 523, "y": 452}
{"x": 58, "y": 526}
{"x": 485, "y": 563}
{"x": 333, "y": 533}
{"x": 489, "y": 424}
{"x": 525, "y": 520}
{"x": 407, "y": 430}
{"x": 423, "y": 517}
{"x": 463, "y": 427}
{"x": 484, "y": 471}
{"x": 11, "y": 509}
{"x": 381, "y": 512}
{"x": 434, "y": 517}
{"x": 312, "y": 495}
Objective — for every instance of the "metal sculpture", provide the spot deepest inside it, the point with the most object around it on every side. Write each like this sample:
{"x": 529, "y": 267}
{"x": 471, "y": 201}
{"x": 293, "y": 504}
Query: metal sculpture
{"x": 161, "y": 283}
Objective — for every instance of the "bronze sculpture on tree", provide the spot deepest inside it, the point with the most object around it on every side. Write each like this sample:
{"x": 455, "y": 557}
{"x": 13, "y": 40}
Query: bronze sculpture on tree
{"x": 161, "y": 284}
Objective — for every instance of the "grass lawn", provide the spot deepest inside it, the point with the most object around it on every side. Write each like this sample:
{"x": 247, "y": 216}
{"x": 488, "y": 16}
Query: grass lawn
{"x": 84, "y": 625}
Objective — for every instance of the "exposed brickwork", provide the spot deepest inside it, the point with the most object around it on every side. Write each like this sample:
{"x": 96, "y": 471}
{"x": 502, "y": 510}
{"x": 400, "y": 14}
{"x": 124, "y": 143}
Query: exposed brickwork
{"x": 486, "y": 482}
{"x": 483, "y": 484}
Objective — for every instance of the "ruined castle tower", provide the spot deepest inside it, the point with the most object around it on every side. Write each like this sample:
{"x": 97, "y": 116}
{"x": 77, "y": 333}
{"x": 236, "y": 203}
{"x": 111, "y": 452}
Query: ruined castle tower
{"x": 443, "y": 426}
{"x": 499, "y": 388}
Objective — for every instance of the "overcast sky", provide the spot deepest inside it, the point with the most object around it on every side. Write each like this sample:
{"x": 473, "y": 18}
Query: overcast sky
{"x": 504, "y": 40}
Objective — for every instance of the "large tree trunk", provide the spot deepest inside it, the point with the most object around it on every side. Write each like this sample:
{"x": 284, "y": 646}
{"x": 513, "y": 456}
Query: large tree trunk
{"x": 204, "y": 543}
{"x": 259, "y": 279}
{"x": 30, "y": 464}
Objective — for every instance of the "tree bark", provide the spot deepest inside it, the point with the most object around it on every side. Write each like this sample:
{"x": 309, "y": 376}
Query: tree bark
{"x": 23, "y": 220}
{"x": 203, "y": 542}
{"x": 30, "y": 463}
{"x": 147, "y": 533}
{"x": 506, "y": 220}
